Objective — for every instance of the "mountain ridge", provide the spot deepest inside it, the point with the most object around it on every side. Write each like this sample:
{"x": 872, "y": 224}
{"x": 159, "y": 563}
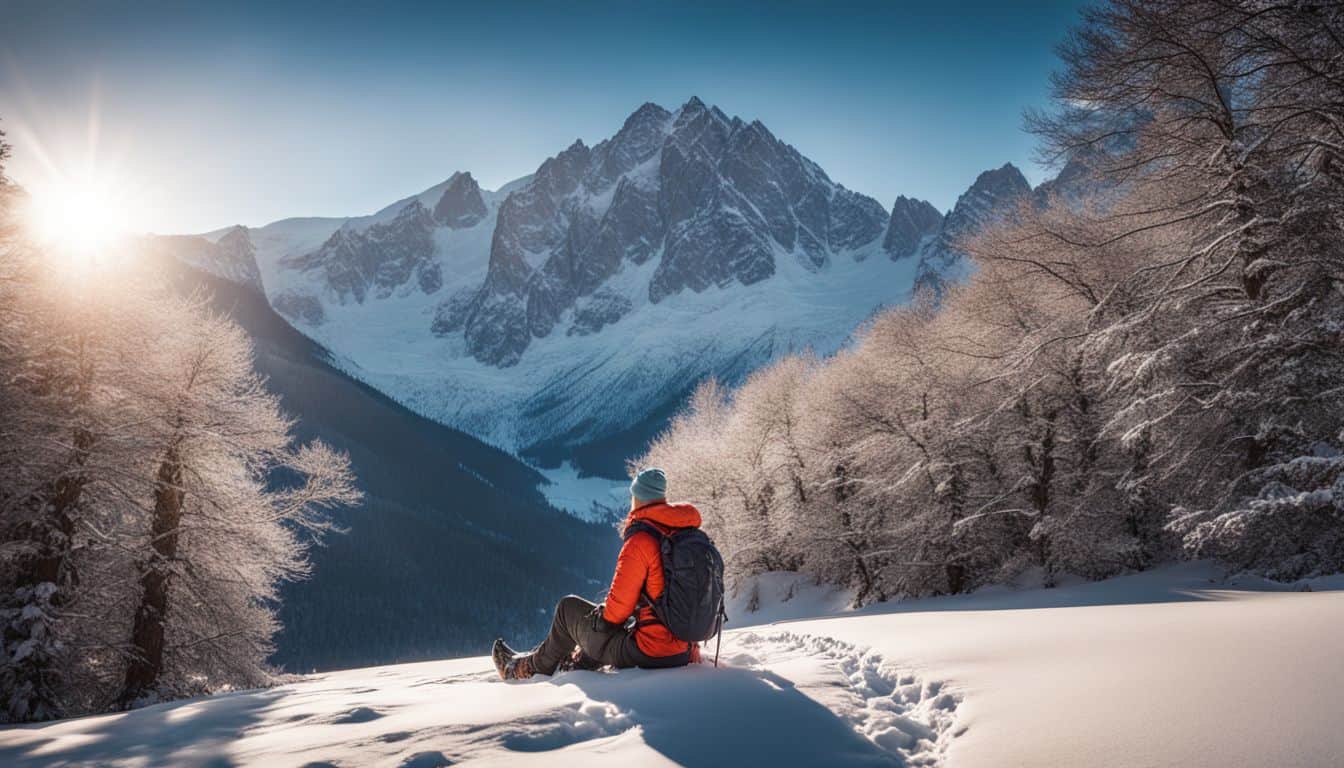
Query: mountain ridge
{"x": 561, "y": 309}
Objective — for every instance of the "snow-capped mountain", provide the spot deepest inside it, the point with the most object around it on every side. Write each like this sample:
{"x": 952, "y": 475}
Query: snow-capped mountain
{"x": 579, "y": 304}
{"x": 393, "y": 252}
{"x": 991, "y": 196}
{"x": 912, "y": 221}
{"x": 228, "y": 254}
{"x": 713, "y": 201}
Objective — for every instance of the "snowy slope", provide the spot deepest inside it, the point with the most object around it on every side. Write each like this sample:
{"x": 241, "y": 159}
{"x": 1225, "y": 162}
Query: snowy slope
{"x": 582, "y": 303}
{"x": 575, "y": 385}
{"x": 1163, "y": 668}
{"x": 592, "y": 497}
{"x": 440, "y": 510}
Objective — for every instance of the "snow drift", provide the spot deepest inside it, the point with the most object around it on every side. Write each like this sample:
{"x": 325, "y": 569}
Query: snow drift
{"x": 1171, "y": 667}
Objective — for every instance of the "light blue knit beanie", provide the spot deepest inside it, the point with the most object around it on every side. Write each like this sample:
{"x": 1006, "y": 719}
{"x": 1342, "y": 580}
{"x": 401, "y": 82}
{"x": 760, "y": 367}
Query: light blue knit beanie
{"x": 649, "y": 485}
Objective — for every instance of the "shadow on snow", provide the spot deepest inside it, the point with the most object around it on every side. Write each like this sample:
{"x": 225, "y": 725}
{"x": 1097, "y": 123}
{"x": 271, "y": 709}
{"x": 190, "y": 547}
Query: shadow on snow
{"x": 700, "y": 715}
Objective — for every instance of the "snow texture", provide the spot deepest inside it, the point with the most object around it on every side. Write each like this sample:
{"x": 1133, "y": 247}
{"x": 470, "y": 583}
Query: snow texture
{"x": 782, "y": 699}
{"x": 592, "y": 498}
{"x": 1170, "y": 667}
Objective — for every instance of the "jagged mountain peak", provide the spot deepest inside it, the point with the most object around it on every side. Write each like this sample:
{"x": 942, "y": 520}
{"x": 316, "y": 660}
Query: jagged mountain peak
{"x": 992, "y": 195}
{"x": 706, "y": 235}
{"x": 697, "y": 117}
{"x": 714, "y": 198}
{"x": 991, "y": 191}
{"x": 648, "y": 111}
{"x": 460, "y": 177}
{"x": 903, "y": 201}
{"x": 379, "y": 258}
{"x": 461, "y": 204}
{"x": 228, "y": 253}
{"x": 912, "y": 221}
{"x": 639, "y": 139}
{"x": 1007, "y": 178}
{"x": 236, "y": 238}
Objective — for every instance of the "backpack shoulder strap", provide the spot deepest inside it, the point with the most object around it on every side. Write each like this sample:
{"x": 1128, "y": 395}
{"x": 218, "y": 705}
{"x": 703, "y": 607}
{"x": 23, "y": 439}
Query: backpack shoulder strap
{"x": 646, "y": 527}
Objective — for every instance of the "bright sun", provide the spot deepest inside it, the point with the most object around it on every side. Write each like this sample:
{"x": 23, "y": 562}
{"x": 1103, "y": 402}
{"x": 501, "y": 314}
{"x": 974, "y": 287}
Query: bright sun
{"x": 82, "y": 218}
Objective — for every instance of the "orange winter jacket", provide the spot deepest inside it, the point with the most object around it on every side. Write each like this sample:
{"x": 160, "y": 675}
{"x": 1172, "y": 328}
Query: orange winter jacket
{"x": 640, "y": 568}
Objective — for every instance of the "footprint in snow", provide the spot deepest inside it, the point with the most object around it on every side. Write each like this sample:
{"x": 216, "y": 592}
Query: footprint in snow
{"x": 909, "y": 717}
{"x": 358, "y": 715}
{"x": 426, "y": 760}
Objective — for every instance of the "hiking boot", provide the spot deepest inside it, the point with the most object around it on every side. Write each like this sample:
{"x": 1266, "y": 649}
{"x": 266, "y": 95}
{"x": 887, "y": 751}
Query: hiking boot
{"x": 510, "y": 664}
{"x": 501, "y": 654}
{"x": 518, "y": 668}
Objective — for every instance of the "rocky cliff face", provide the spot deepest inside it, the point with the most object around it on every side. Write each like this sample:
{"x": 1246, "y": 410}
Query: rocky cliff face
{"x": 911, "y": 222}
{"x": 714, "y": 199}
{"x": 568, "y": 313}
{"x": 993, "y": 195}
{"x": 228, "y": 254}
{"x": 461, "y": 205}
{"x": 384, "y": 257}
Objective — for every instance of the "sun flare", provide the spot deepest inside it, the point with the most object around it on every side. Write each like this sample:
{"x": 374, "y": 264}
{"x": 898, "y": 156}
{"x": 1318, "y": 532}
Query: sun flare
{"x": 80, "y": 219}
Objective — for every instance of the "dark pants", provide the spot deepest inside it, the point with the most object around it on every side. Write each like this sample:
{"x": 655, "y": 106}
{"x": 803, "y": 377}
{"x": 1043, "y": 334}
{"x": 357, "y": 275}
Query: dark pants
{"x": 575, "y": 624}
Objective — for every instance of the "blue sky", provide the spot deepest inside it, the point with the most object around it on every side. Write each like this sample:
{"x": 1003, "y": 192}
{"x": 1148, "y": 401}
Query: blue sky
{"x": 249, "y": 112}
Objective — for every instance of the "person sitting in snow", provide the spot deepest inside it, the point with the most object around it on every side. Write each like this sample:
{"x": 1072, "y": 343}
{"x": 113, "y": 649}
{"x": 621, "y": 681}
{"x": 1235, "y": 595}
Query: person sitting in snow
{"x": 588, "y": 636}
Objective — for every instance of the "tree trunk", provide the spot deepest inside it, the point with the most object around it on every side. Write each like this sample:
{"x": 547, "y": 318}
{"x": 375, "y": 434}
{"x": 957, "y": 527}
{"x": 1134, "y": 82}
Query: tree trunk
{"x": 52, "y": 535}
{"x": 54, "y": 530}
{"x": 1042, "y": 459}
{"x": 1040, "y": 491}
{"x": 147, "y": 636}
{"x": 53, "y": 562}
{"x": 956, "y": 578}
{"x": 865, "y": 576}
{"x": 1250, "y": 246}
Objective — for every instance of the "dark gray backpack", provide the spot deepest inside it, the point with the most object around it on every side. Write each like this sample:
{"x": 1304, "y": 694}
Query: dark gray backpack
{"x": 691, "y": 605}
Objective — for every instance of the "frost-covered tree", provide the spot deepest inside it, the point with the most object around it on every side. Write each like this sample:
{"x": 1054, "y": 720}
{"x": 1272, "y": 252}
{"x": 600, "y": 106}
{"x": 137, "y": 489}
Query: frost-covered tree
{"x": 897, "y": 478}
{"x": 1222, "y": 125}
{"x": 64, "y": 456}
{"x": 1294, "y": 527}
{"x": 1144, "y": 358}
{"x": 152, "y": 498}
{"x": 744, "y": 461}
{"x": 233, "y": 505}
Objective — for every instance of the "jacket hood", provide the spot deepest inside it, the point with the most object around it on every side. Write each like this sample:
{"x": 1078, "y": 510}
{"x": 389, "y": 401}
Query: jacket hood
{"x": 666, "y": 515}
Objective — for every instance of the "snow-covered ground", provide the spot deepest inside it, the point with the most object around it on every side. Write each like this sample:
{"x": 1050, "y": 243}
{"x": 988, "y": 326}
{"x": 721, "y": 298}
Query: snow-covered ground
{"x": 592, "y": 498}
{"x": 1168, "y": 668}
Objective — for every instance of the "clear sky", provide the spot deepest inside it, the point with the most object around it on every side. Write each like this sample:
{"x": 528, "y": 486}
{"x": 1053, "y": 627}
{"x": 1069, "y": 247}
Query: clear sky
{"x": 249, "y": 112}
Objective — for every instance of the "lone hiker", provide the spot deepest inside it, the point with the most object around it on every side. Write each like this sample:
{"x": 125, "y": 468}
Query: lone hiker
{"x": 669, "y": 578}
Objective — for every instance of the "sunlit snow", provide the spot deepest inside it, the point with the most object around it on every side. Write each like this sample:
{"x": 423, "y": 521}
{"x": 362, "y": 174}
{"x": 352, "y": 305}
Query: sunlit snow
{"x": 1168, "y": 667}
{"x": 590, "y": 498}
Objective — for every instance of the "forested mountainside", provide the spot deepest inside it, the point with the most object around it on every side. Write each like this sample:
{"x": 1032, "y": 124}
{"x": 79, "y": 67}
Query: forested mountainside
{"x": 452, "y": 544}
